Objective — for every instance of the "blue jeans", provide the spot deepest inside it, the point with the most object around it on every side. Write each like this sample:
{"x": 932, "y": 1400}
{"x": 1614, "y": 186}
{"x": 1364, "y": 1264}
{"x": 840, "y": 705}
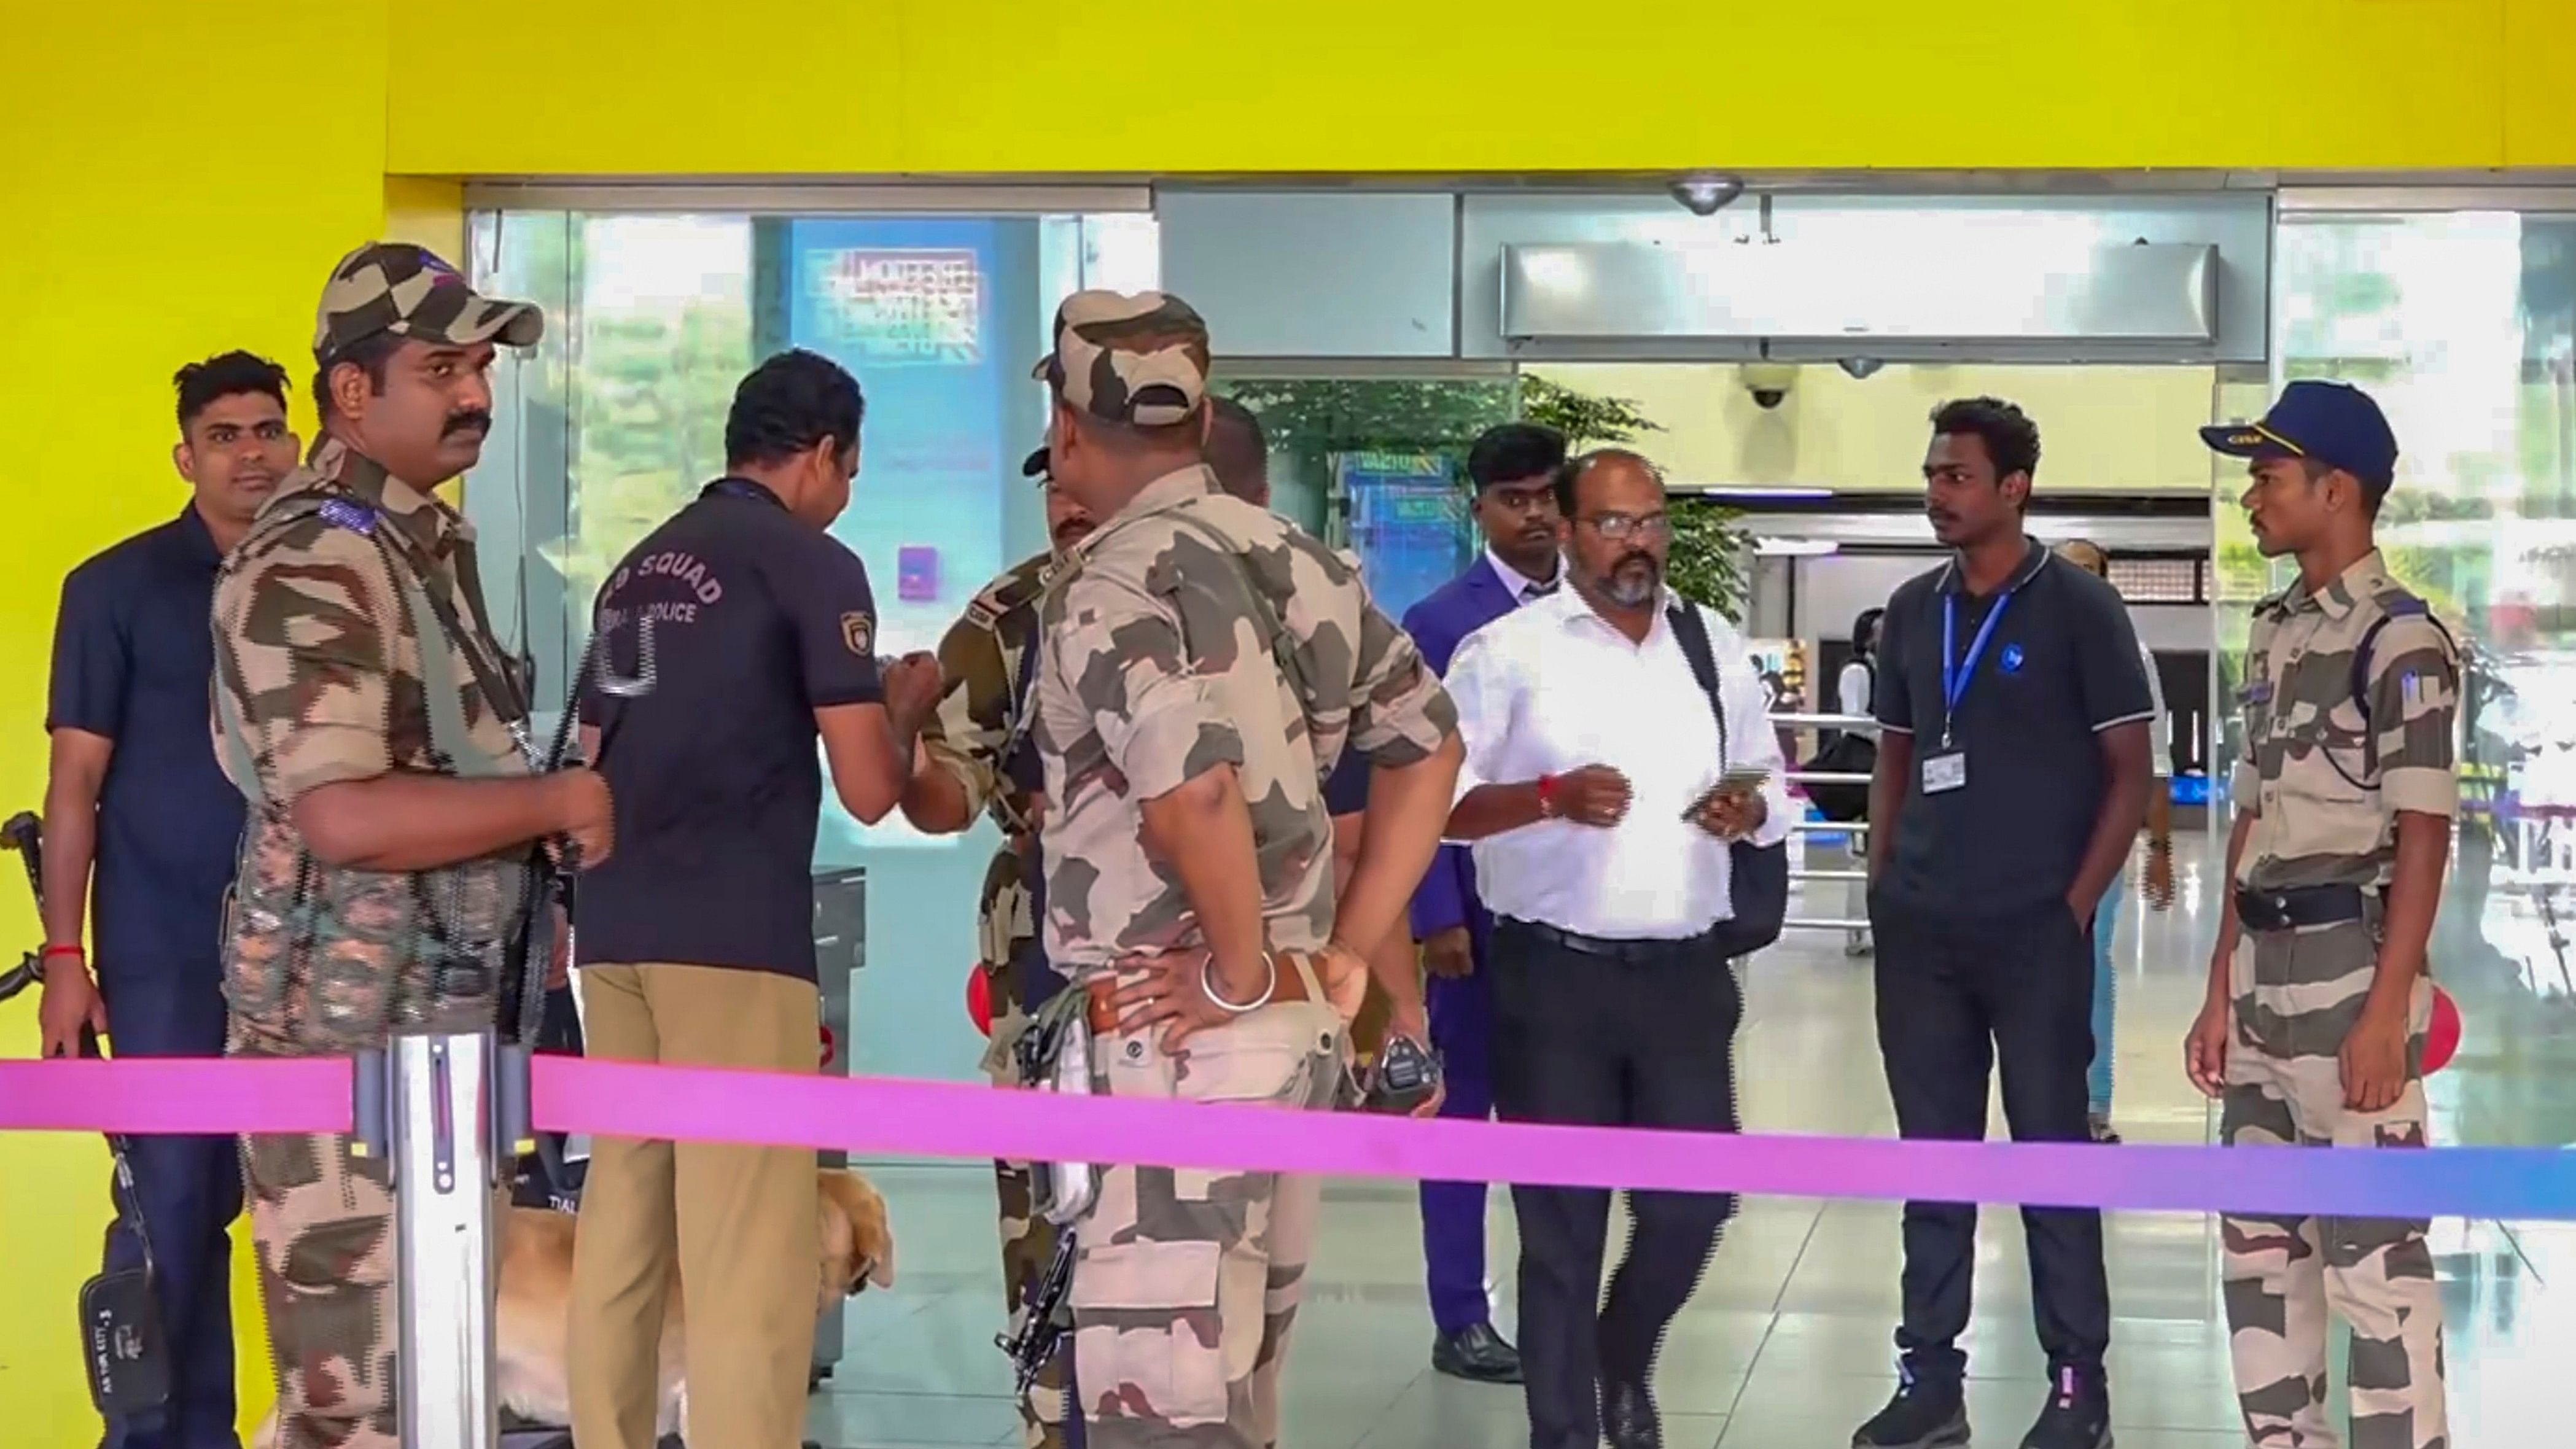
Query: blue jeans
{"x": 2106, "y": 922}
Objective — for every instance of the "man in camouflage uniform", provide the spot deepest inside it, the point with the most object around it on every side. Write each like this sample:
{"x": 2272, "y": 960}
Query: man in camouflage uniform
{"x": 2313, "y": 1033}
{"x": 977, "y": 757}
{"x": 1203, "y": 661}
{"x": 361, "y": 707}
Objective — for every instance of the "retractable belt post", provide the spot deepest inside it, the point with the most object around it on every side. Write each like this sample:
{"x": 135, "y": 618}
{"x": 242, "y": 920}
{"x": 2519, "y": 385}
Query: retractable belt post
{"x": 446, "y": 1112}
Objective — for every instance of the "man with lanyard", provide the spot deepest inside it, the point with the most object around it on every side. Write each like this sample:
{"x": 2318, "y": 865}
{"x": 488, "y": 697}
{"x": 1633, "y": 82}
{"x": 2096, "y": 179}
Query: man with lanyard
{"x": 2011, "y": 778}
{"x": 1188, "y": 859}
{"x": 2319, "y": 991}
{"x": 361, "y": 707}
{"x": 977, "y": 757}
{"x": 1513, "y": 468}
{"x": 134, "y": 788}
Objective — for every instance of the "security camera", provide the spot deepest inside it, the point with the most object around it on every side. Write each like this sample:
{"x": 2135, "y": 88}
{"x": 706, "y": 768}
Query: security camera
{"x": 1706, "y": 195}
{"x": 1859, "y": 367}
{"x": 1769, "y": 382}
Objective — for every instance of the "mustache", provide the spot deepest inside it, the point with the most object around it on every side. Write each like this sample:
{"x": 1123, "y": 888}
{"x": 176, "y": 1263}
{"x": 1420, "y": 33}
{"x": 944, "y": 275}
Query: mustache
{"x": 477, "y": 421}
{"x": 1638, "y": 557}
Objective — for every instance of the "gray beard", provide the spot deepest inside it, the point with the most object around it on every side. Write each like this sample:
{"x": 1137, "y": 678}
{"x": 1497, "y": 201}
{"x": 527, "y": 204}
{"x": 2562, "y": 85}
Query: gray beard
{"x": 1632, "y": 590}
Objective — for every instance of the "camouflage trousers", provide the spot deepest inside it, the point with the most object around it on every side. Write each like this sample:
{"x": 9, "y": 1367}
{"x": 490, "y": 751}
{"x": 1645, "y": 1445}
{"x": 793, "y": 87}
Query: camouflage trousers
{"x": 2296, "y": 996}
{"x": 322, "y": 1221}
{"x": 1028, "y": 1246}
{"x": 1186, "y": 1282}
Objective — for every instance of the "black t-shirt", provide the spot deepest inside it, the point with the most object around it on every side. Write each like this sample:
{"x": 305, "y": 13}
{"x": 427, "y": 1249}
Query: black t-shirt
{"x": 758, "y": 621}
{"x": 2061, "y": 666}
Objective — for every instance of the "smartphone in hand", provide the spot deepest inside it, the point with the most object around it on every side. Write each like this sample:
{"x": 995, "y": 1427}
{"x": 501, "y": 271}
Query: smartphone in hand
{"x": 1738, "y": 780}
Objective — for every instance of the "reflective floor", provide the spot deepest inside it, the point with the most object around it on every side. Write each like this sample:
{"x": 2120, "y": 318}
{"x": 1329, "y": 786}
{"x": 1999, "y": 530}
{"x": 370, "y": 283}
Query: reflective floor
{"x": 1786, "y": 1345}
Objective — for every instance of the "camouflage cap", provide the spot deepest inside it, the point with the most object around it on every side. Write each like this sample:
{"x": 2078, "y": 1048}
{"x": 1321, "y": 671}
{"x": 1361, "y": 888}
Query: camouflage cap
{"x": 408, "y": 291}
{"x": 1139, "y": 358}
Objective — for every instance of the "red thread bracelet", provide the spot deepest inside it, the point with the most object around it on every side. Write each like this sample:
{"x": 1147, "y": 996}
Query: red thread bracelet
{"x": 1547, "y": 797}
{"x": 50, "y": 952}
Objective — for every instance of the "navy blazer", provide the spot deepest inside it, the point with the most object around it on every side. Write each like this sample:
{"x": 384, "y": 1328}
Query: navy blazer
{"x": 1458, "y": 608}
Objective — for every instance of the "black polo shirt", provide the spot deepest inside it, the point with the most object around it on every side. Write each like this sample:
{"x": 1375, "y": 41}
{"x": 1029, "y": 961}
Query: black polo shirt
{"x": 2061, "y": 666}
{"x": 134, "y": 661}
{"x": 759, "y": 620}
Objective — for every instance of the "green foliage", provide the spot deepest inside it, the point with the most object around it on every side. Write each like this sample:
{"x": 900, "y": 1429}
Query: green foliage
{"x": 1587, "y": 421}
{"x": 1310, "y": 419}
{"x": 651, "y": 396}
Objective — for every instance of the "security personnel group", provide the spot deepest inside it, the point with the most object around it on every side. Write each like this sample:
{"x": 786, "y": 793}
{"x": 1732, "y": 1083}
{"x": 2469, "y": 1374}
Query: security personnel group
{"x": 1238, "y": 803}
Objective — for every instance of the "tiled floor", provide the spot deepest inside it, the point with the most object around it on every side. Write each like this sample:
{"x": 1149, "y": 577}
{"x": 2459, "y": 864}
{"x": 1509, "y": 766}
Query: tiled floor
{"x": 1786, "y": 1345}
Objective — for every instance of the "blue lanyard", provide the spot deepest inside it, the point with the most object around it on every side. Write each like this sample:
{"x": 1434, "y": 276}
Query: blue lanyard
{"x": 1955, "y": 671}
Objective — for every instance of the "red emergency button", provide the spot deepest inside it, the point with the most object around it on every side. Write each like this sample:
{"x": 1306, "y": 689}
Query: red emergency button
{"x": 828, "y": 1045}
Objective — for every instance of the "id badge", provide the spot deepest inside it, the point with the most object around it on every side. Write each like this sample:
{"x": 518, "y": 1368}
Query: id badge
{"x": 1945, "y": 772}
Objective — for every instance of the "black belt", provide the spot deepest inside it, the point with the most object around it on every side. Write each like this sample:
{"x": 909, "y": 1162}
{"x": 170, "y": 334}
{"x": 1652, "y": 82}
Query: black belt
{"x": 1640, "y": 949}
{"x": 2301, "y": 907}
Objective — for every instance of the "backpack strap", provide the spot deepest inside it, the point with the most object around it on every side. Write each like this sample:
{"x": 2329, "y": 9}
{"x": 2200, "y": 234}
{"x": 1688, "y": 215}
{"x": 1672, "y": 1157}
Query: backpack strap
{"x": 2393, "y": 606}
{"x": 1691, "y": 632}
{"x": 1282, "y": 648}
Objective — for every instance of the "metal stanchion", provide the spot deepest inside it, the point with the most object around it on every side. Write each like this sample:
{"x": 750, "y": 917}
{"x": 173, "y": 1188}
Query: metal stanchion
{"x": 446, "y": 1111}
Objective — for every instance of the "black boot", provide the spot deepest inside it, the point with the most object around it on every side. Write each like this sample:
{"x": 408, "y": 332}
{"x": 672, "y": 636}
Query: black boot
{"x": 2078, "y": 1412}
{"x": 1924, "y": 1414}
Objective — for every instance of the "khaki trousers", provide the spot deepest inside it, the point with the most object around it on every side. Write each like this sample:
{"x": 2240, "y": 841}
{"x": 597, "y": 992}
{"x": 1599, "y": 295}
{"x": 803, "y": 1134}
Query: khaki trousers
{"x": 739, "y": 1222}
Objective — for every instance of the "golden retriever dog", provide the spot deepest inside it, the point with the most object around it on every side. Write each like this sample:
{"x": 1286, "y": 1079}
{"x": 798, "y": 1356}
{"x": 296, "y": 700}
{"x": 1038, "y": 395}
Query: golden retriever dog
{"x": 532, "y": 1322}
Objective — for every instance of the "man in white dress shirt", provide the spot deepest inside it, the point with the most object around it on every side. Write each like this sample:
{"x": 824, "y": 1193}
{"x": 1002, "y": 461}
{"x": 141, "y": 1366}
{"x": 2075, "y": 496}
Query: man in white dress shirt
{"x": 1602, "y": 847}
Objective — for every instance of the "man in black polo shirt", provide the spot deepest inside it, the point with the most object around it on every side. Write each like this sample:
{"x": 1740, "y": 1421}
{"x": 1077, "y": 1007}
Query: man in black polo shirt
{"x": 140, "y": 831}
{"x": 2011, "y": 781}
{"x": 697, "y": 937}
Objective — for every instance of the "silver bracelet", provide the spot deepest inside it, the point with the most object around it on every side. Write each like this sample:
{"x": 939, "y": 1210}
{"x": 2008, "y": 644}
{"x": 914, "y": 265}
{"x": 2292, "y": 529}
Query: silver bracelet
{"x": 1207, "y": 984}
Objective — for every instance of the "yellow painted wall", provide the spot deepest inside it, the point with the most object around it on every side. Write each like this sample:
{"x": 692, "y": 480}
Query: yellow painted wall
{"x": 797, "y": 86}
{"x": 176, "y": 177}
{"x": 179, "y": 178}
{"x": 2129, "y": 429}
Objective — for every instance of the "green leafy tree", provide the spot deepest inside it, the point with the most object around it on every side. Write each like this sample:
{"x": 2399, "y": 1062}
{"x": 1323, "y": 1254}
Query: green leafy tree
{"x": 1311, "y": 419}
{"x": 1710, "y": 551}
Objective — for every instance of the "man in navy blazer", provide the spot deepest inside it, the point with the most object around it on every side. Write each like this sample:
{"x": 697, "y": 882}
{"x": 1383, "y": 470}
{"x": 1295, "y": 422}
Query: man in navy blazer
{"x": 1513, "y": 467}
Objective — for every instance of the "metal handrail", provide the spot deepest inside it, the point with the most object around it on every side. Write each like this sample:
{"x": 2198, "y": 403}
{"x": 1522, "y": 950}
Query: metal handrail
{"x": 1848, "y": 723}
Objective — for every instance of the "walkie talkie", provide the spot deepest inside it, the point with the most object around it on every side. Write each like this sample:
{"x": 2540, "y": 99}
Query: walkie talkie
{"x": 1404, "y": 1078}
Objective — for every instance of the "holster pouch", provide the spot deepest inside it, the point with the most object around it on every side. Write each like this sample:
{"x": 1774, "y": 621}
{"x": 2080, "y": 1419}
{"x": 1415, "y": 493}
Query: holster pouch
{"x": 121, "y": 1346}
{"x": 1054, "y": 1055}
{"x": 122, "y": 1350}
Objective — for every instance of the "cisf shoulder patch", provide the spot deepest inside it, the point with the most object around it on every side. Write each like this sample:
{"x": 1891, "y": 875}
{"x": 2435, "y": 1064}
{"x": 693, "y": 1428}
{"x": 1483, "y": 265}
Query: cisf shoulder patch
{"x": 859, "y": 631}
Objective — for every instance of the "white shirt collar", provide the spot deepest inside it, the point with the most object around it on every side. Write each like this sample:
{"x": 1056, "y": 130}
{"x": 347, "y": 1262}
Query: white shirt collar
{"x": 1519, "y": 584}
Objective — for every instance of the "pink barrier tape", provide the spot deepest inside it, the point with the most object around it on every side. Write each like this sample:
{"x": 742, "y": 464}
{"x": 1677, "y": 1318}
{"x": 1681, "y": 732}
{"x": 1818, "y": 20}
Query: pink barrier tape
{"x": 938, "y": 1119}
{"x": 144, "y": 1095}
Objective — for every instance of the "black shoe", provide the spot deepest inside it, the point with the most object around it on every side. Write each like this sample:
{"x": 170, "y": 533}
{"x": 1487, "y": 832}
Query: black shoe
{"x": 1925, "y": 1414}
{"x": 2102, "y": 1132}
{"x": 1628, "y": 1418}
{"x": 1476, "y": 1354}
{"x": 2077, "y": 1416}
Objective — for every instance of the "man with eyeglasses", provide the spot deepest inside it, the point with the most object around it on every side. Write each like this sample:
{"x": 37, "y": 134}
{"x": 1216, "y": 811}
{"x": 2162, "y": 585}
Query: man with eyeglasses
{"x": 1602, "y": 808}
{"x": 1513, "y": 467}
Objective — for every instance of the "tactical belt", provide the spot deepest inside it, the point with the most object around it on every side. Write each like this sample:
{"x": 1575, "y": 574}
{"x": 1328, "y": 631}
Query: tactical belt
{"x": 2301, "y": 907}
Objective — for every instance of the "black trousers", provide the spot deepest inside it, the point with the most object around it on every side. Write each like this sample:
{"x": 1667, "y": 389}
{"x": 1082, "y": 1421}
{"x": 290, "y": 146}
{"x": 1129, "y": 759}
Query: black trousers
{"x": 1641, "y": 1040}
{"x": 1955, "y": 999}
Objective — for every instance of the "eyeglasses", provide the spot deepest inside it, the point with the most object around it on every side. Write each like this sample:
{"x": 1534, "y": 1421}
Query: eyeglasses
{"x": 1621, "y": 525}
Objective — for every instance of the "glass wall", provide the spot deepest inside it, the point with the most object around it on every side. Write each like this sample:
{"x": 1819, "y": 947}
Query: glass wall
{"x": 2463, "y": 325}
{"x": 618, "y": 419}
